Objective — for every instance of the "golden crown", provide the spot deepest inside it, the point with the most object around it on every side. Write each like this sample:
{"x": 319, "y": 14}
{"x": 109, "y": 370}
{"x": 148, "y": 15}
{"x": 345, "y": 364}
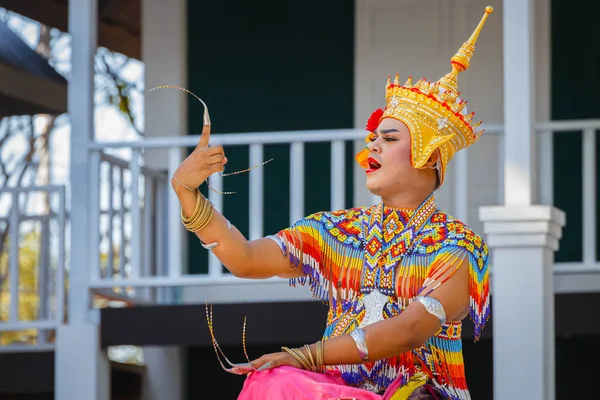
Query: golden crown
{"x": 433, "y": 111}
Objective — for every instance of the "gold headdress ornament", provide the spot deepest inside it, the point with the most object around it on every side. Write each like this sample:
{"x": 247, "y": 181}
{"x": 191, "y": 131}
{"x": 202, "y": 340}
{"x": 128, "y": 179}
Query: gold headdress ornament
{"x": 432, "y": 111}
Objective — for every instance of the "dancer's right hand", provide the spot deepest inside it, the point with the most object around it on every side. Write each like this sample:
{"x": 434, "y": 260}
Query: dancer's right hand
{"x": 200, "y": 164}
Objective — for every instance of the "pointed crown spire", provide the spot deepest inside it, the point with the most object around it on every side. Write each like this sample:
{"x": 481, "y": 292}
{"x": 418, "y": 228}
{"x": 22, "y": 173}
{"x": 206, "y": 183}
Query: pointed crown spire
{"x": 434, "y": 113}
{"x": 461, "y": 61}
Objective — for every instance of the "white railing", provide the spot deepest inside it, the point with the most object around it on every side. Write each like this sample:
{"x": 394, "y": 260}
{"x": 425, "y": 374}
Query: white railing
{"x": 37, "y": 229}
{"x": 297, "y": 139}
{"x": 136, "y": 233}
{"x": 256, "y": 143}
{"x": 589, "y": 129}
{"x": 127, "y": 223}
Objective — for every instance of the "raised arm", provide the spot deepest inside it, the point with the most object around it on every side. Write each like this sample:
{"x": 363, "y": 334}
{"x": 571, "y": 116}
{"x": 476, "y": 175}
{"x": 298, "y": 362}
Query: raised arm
{"x": 260, "y": 258}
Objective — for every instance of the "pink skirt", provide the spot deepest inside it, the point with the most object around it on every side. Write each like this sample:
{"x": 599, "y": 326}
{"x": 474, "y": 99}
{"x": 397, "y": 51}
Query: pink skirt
{"x": 289, "y": 383}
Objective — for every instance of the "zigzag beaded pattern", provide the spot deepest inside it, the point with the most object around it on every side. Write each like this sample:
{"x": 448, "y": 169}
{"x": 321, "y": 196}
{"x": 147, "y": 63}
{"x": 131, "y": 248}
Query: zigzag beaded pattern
{"x": 333, "y": 255}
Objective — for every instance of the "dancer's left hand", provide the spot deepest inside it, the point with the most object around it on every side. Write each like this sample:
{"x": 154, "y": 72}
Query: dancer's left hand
{"x": 274, "y": 360}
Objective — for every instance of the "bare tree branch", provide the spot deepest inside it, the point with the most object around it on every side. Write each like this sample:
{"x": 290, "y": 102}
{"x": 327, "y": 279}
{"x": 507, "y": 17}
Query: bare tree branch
{"x": 17, "y": 166}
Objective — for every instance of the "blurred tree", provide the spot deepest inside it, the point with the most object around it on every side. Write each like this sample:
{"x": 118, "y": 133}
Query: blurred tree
{"x": 29, "y": 251}
{"x": 26, "y": 158}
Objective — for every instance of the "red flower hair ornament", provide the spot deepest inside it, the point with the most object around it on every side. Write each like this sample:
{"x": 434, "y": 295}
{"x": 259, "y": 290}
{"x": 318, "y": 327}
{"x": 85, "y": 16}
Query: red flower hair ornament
{"x": 363, "y": 156}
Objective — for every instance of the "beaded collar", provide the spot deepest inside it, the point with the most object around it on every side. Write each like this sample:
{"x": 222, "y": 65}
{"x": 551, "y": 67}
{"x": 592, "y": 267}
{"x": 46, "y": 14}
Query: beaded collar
{"x": 387, "y": 239}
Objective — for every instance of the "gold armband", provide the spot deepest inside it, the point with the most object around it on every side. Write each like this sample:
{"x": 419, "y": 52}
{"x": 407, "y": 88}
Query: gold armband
{"x": 201, "y": 216}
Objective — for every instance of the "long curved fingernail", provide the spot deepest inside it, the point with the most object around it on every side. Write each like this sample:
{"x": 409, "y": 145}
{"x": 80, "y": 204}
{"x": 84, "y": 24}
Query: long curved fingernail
{"x": 265, "y": 366}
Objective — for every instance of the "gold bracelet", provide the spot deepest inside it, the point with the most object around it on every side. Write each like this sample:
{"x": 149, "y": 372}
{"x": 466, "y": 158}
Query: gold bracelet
{"x": 310, "y": 358}
{"x": 202, "y": 221}
{"x": 299, "y": 357}
{"x": 187, "y": 220}
{"x": 307, "y": 363}
{"x": 320, "y": 356}
{"x": 202, "y": 215}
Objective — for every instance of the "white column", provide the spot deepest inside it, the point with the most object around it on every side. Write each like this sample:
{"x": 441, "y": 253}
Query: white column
{"x": 164, "y": 377}
{"x": 523, "y": 240}
{"x": 82, "y": 369}
{"x": 519, "y": 102}
{"x": 164, "y": 53}
{"x": 521, "y": 235}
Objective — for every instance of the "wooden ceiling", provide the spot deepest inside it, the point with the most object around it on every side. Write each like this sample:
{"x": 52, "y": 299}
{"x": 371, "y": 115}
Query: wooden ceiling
{"x": 119, "y": 26}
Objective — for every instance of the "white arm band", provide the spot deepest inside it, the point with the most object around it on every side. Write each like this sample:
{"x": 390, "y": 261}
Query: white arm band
{"x": 433, "y": 307}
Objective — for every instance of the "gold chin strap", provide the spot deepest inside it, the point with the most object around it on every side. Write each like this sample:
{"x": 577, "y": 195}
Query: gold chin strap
{"x": 206, "y": 122}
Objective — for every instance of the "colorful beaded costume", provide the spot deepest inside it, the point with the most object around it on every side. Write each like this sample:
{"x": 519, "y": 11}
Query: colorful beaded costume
{"x": 370, "y": 263}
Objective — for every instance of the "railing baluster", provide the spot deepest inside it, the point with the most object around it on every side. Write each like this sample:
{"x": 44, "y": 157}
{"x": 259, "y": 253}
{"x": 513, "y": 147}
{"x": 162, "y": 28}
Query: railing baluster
{"x": 160, "y": 238}
{"x": 174, "y": 227}
{"x": 500, "y": 169}
{"x": 122, "y": 224}
{"x": 111, "y": 209}
{"x": 136, "y": 215}
{"x": 60, "y": 267}
{"x": 147, "y": 228}
{"x": 44, "y": 278}
{"x": 256, "y": 206}
{"x": 589, "y": 196}
{"x": 296, "y": 181}
{"x": 461, "y": 185}
{"x": 13, "y": 262}
{"x": 338, "y": 175}
{"x": 94, "y": 215}
{"x": 546, "y": 167}
{"x": 216, "y": 181}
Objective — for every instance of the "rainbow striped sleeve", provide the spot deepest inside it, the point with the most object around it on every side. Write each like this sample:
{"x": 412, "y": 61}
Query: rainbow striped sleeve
{"x": 326, "y": 247}
{"x": 462, "y": 237}
{"x": 437, "y": 257}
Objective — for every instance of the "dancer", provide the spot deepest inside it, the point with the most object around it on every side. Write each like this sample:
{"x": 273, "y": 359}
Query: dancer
{"x": 398, "y": 277}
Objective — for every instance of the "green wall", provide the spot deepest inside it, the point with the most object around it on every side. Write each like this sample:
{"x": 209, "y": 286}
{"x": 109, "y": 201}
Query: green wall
{"x": 272, "y": 66}
{"x": 575, "y": 85}
{"x": 268, "y": 66}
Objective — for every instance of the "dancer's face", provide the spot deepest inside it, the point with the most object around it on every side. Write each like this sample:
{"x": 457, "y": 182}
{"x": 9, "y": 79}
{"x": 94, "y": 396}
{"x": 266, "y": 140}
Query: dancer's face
{"x": 390, "y": 170}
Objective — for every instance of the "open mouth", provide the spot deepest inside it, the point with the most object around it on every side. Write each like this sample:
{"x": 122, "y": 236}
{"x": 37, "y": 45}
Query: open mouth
{"x": 373, "y": 165}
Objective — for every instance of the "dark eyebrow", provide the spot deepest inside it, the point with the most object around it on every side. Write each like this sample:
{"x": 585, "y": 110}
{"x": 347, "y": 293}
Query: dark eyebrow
{"x": 384, "y": 131}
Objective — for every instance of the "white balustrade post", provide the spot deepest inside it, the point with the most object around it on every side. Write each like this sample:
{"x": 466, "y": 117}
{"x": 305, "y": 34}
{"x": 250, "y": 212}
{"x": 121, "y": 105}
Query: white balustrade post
{"x": 519, "y": 97}
{"x": 215, "y": 268}
{"x": 461, "y": 187}
{"x": 176, "y": 236}
{"x": 82, "y": 369}
{"x": 44, "y": 279}
{"x": 256, "y": 201}
{"x": 338, "y": 175}
{"x": 135, "y": 260}
{"x": 590, "y": 204}
{"x": 13, "y": 262}
{"x": 521, "y": 235}
{"x": 296, "y": 182}
{"x": 93, "y": 215}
